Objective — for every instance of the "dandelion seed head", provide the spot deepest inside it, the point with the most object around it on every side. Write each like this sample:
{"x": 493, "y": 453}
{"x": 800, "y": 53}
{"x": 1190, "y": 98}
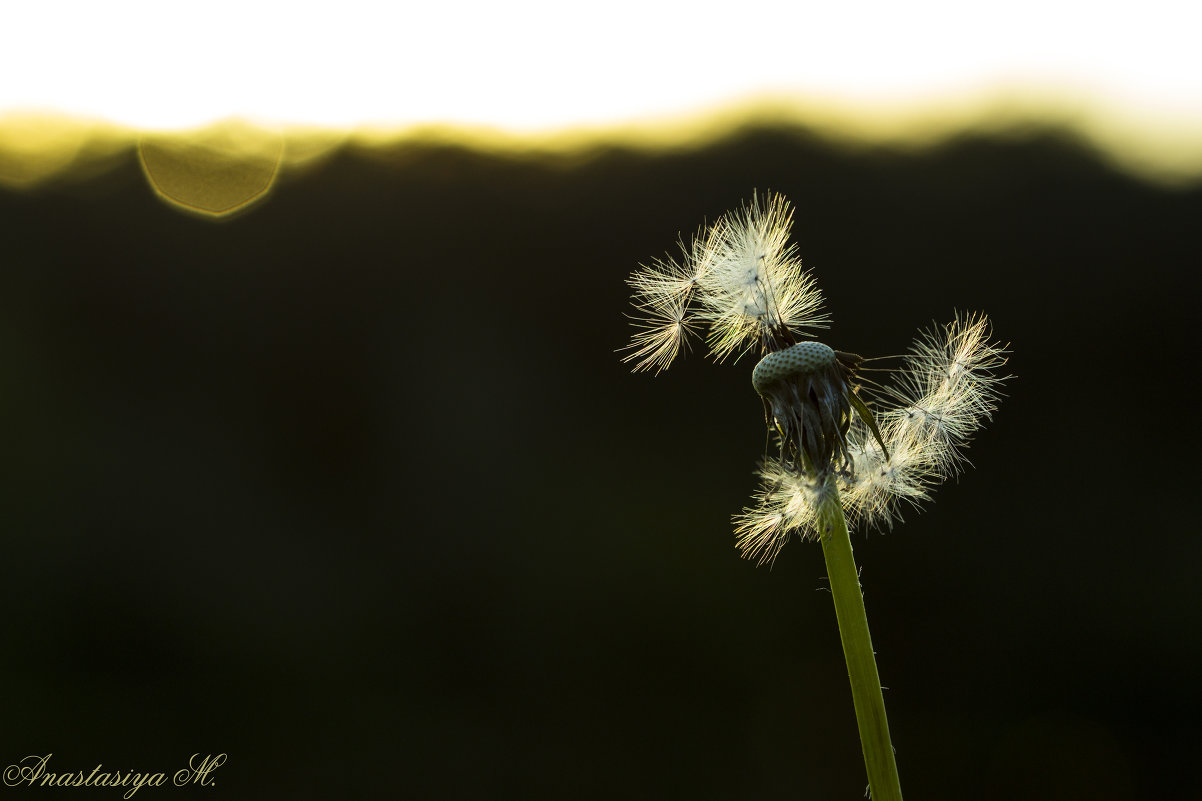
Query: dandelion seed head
{"x": 742, "y": 280}
{"x": 796, "y": 360}
{"x": 805, "y": 389}
{"x": 947, "y": 386}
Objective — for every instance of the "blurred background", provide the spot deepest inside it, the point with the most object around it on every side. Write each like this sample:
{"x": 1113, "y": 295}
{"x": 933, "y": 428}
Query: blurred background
{"x": 318, "y": 450}
{"x": 354, "y": 488}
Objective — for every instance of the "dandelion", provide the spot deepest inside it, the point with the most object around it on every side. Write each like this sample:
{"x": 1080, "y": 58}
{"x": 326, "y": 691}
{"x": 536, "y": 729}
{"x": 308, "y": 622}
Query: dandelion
{"x": 840, "y": 456}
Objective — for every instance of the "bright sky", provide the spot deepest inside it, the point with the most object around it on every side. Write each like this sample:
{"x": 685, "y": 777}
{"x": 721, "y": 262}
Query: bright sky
{"x": 534, "y": 64}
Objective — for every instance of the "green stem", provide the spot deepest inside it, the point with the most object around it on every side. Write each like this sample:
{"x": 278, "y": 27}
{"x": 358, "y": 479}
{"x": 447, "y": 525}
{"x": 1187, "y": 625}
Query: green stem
{"x": 857, "y": 649}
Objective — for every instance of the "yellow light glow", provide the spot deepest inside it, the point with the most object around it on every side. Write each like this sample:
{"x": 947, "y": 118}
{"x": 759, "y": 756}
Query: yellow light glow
{"x": 214, "y": 171}
{"x": 1129, "y": 78}
{"x": 533, "y": 64}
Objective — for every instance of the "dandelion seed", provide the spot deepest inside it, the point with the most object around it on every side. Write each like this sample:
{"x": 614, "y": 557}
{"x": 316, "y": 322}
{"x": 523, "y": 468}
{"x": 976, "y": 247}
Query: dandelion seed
{"x": 754, "y": 288}
{"x": 664, "y": 328}
{"x": 740, "y": 278}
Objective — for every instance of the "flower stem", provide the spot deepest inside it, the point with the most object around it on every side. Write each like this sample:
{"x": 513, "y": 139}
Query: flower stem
{"x": 857, "y": 649}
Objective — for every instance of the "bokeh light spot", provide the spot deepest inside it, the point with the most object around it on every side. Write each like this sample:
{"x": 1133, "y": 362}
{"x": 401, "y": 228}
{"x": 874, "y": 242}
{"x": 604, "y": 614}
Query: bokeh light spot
{"x": 38, "y": 147}
{"x": 214, "y": 171}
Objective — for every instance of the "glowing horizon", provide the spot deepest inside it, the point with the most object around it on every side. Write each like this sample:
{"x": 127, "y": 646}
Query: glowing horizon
{"x": 537, "y": 74}
{"x": 534, "y": 65}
